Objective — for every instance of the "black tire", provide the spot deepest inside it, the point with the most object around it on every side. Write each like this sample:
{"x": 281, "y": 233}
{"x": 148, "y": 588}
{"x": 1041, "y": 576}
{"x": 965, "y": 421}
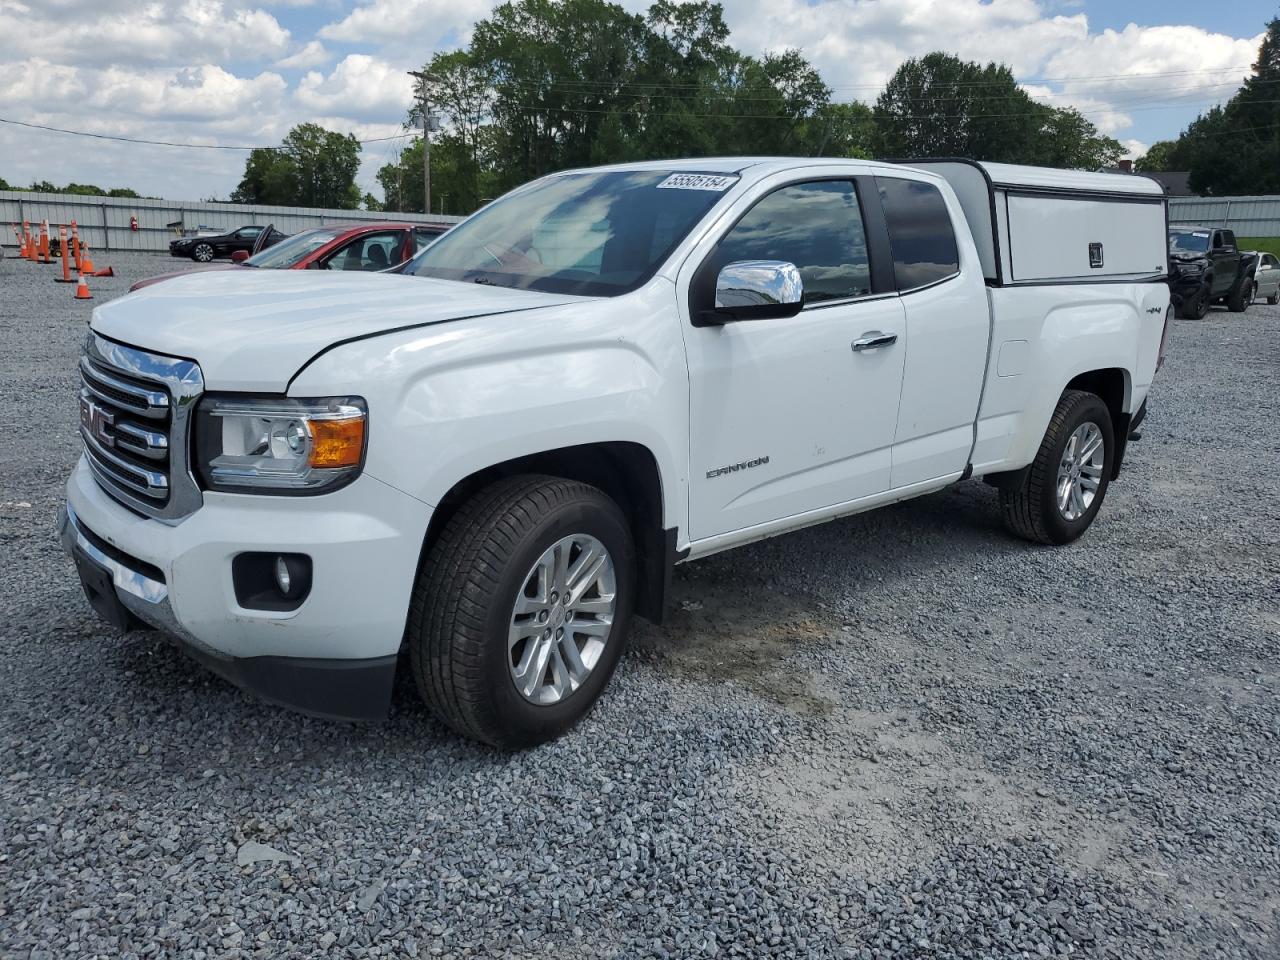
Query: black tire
{"x": 461, "y": 610}
{"x": 1197, "y": 306}
{"x": 202, "y": 253}
{"x": 1238, "y": 300}
{"x": 1032, "y": 510}
{"x": 1273, "y": 299}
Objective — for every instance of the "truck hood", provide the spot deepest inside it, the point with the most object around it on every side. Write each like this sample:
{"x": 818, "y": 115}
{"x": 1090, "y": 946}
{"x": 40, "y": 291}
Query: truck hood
{"x": 254, "y": 329}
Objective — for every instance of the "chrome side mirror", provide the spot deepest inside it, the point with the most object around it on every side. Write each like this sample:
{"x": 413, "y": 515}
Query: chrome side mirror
{"x": 757, "y": 290}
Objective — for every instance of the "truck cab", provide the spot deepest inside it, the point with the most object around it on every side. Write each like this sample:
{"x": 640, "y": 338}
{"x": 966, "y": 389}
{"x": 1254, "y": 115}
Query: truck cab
{"x": 1206, "y": 266}
{"x": 480, "y": 468}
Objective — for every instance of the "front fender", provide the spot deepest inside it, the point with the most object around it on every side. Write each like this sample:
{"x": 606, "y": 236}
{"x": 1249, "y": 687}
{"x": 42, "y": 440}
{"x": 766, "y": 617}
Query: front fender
{"x": 448, "y": 400}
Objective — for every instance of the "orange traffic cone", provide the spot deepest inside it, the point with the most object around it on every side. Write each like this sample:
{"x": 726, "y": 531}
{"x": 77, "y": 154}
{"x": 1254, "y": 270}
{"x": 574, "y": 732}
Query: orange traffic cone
{"x": 44, "y": 242}
{"x": 22, "y": 241}
{"x": 82, "y": 291}
{"x": 31, "y": 241}
{"x": 104, "y": 272}
{"x": 66, "y": 258}
{"x": 86, "y": 264}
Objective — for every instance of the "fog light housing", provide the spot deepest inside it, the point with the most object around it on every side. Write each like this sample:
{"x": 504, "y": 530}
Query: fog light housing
{"x": 271, "y": 581}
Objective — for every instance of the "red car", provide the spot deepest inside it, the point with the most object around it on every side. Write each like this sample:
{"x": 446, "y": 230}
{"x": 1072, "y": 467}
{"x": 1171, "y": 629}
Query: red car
{"x": 362, "y": 246}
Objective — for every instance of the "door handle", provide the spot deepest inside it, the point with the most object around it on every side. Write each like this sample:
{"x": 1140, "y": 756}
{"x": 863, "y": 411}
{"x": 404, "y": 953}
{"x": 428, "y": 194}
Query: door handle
{"x": 874, "y": 339}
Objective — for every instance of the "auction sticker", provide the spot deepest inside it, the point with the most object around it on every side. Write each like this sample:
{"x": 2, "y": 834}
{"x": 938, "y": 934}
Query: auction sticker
{"x": 697, "y": 181}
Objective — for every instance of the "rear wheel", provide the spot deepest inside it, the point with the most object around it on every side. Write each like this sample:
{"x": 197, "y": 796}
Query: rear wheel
{"x": 202, "y": 253}
{"x": 1274, "y": 298}
{"x": 521, "y": 610}
{"x": 1068, "y": 479}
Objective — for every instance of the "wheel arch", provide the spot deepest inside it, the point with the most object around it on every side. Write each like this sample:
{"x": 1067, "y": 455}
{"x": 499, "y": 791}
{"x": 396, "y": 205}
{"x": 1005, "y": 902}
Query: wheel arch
{"x": 627, "y": 472}
{"x": 1114, "y": 386}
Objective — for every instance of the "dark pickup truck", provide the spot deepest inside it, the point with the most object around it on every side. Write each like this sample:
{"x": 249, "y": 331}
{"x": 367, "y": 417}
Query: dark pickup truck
{"x": 1206, "y": 267}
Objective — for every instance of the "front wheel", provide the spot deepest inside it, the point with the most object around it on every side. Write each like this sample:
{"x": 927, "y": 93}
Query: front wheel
{"x": 1197, "y": 306}
{"x": 521, "y": 610}
{"x": 1068, "y": 479}
{"x": 202, "y": 253}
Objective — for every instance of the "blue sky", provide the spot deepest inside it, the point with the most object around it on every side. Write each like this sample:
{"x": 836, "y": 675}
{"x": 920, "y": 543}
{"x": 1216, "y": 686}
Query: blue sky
{"x": 241, "y": 72}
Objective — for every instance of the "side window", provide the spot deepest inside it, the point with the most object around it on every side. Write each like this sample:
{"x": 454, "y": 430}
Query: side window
{"x": 373, "y": 251}
{"x": 421, "y": 238}
{"x": 921, "y": 236}
{"x": 1228, "y": 238}
{"x": 248, "y": 232}
{"x": 1217, "y": 239}
{"x": 818, "y": 227}
{"x": 1271, "y": 261}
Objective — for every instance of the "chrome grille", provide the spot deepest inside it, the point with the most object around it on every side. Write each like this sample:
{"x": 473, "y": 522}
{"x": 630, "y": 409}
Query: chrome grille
{"x": 135, "y": 420}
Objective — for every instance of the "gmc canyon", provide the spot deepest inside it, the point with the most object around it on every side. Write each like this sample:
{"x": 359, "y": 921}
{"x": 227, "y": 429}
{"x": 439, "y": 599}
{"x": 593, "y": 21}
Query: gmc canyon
{"x": 482, "y": 467}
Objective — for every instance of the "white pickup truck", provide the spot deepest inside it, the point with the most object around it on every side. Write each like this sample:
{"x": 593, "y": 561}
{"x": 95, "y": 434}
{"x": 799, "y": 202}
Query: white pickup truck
{"x": 490, "y": 461}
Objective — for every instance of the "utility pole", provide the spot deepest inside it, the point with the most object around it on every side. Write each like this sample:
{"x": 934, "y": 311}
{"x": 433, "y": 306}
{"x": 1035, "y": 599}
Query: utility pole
{"x": 422, "y": 77}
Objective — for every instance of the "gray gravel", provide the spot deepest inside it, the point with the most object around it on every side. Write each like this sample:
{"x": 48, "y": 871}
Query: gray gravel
{"x": 899, "y": 735}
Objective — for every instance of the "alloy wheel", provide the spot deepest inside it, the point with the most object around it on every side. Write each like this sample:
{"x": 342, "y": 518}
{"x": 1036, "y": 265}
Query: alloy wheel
{"x": 561, "y": 619}
{"x": 1080, "y": 471}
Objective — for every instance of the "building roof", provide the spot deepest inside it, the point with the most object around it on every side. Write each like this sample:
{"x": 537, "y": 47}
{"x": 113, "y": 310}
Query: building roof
{"x": 1177, "y": 183}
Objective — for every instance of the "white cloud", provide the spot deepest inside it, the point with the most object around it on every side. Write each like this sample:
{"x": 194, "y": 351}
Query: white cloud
{"x": 117, "y": 32}
{"x": 313, "y": 54}
{"x": 360, "y": 87}
{"x": 1133, "y": 149}
{"x": 407, "y": 24}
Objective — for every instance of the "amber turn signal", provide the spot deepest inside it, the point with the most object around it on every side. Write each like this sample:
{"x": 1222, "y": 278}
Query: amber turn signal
{"x": 336, "y": 443}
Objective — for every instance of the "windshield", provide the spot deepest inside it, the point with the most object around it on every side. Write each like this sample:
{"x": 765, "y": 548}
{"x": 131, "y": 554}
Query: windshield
{"x": 594, "y": 234}
{"x": 288, "y": 252}
{"x": 1188, "y": 241}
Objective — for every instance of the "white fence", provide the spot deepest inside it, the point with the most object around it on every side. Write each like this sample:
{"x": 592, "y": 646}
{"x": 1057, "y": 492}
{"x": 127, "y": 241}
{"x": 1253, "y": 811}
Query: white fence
{"x": 105, "y": 221}
{"x": 1246, "y": 216}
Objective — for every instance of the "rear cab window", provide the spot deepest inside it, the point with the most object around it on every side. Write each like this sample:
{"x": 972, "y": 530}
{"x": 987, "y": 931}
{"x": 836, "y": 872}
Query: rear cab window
{"x": 922, "y": 237}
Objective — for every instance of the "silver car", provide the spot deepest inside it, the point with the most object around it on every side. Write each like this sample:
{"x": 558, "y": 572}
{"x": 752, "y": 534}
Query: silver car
{"x": 1266, "y": 278}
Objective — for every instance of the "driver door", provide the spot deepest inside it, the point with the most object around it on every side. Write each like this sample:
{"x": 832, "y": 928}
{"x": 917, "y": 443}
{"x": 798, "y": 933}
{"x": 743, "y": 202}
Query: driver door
{"x": 789, "y": 416}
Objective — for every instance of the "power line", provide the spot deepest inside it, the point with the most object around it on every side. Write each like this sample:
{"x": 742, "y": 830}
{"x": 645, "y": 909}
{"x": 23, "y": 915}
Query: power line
{"x": 1239, "y": 71}
{"x": 169, "y": 143}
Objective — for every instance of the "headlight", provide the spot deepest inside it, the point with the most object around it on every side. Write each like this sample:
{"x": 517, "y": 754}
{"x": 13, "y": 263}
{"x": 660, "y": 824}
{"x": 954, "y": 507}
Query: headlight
{"x": 279, "y": 444}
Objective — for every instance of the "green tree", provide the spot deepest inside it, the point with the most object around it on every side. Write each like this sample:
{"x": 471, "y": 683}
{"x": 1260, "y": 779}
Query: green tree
{"x": 455, "y": 186}
{"x": 843, "y": 130}
{"x": 4, "y": 184}
{"x": 1161, "y": 156}
{"x": 942, "y": 106}
{"x": 1235, "y": 149}
{"x": 1067, "y": 139}
{"x": 313, "y": 167}
{"x": 550, "y": 84}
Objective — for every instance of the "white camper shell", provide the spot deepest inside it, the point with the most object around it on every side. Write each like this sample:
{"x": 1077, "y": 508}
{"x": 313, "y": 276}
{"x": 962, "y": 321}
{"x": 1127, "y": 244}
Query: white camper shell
{"x": 1035, "y": 225}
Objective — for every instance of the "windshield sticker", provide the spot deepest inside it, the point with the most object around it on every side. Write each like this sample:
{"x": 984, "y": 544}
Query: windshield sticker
{"x": 1198, "y": 233}
{"x": 697, "y": 181}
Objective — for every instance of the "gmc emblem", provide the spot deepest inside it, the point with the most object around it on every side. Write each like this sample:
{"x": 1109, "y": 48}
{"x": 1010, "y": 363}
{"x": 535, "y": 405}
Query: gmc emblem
{"x": 95, "y": 421}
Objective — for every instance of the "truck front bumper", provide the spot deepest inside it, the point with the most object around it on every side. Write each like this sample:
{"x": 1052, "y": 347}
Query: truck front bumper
{"x": 334, "y": 656}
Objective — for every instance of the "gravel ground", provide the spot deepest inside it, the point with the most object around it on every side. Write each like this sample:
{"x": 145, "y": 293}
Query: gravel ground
{"x": 898, "y": 735}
